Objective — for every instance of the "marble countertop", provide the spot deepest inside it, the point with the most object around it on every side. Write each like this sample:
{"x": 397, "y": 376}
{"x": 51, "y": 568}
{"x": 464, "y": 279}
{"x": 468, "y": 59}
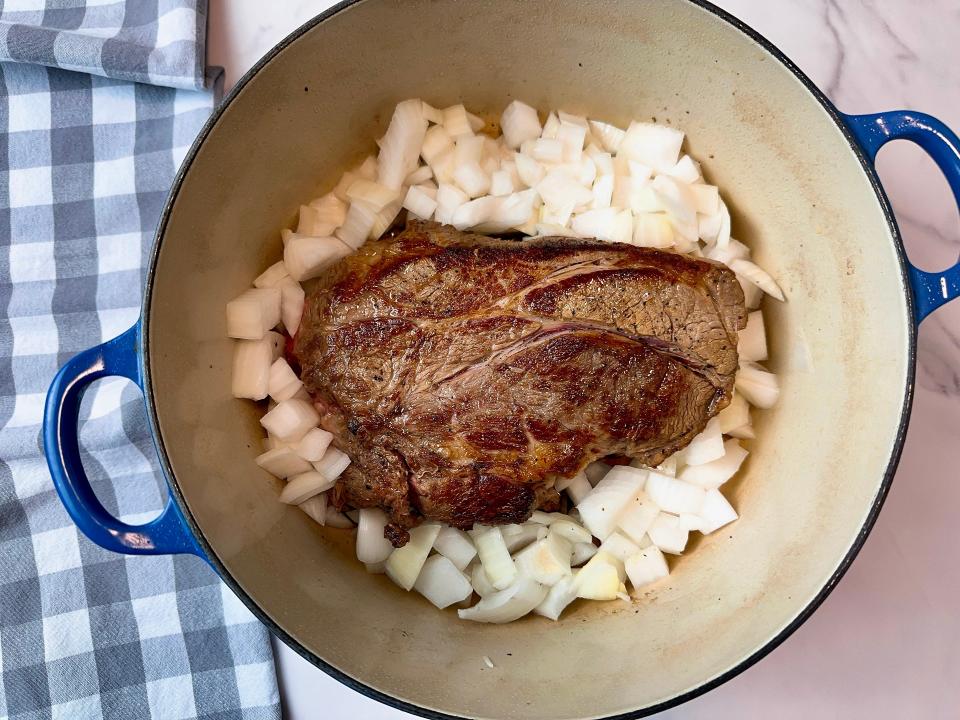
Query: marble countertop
{"x": 885, "y": 643}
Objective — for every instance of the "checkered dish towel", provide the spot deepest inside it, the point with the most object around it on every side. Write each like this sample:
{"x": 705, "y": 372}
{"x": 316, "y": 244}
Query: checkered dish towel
{"x": 85, "y": 163}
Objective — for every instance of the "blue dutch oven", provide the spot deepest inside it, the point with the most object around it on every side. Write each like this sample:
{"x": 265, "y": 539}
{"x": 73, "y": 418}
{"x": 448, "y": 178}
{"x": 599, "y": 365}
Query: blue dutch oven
{"x": 799, "y": 178}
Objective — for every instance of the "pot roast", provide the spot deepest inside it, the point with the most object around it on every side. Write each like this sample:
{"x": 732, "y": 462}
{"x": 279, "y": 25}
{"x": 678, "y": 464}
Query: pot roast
{"x": 464, "y": 375}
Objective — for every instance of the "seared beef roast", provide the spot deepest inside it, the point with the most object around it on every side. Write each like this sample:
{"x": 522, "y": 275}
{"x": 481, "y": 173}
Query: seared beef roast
{"x": 463, "y": 374}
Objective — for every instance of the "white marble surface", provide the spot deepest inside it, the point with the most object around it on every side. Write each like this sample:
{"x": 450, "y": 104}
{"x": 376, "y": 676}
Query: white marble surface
{"x": 886, "y": 644}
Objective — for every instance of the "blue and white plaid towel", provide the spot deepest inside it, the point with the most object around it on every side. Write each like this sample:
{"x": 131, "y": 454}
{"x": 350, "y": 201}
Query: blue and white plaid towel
{"x": 85, "y": 163}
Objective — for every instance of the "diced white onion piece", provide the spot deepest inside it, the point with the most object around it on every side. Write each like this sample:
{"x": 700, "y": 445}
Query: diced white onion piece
{"x": 638, "y": 517}
{"x": 758, "y": 386}
{"x": 646, "y": 566}
{"x": 373, "y": 194}
{"x": 290, "y": 420}
{"x": 331, "y": 209}
{"x": 578, "y": 488}
{"x": 530, "y": 171}
{"x": 655, "y": 145}
{"x": 733, "y": 251}
{"x": 706, "y": 197}
{"x": 401, "y": 144}
{"x": 346, "y": 180}
{"x": 582, "y": 552}
{"x": 602, "y": 192}
{"x": 546, "y": 560}
{"x": 384, "y": 219}
{"x": 689, "y": 522}
{"x": 372, "y": 546}
{"x": 442, "y": 583}
{"x": 471, "y": 178}
{"x": 744, "y": 432}
{"x": 251, "y": 314}
{"x": 547, "y": 150}
{"x": 551, "y": 127}
{"x": 316, "y": 508}
{"x": 251, "y": 365}
{"x": 336, "y": 519}
{"x": 668, "y": 534}
{"x": 477, "y": 123}
{"x": 599, "y": 579}
{"x": 601, "y": 508}
{"x": 508, "y": 604}
{"x": 686, "y": 170}
{"x": 652, "y": 230}
{"x": 519, "y": 123}
{"x": 639, "y": 172}
{"x": 456, "y": 545}
{"x": 641, "y": 198}
{"x": 271, "y": 276}
{"x": 669, "y": 466}
{"x": 734, "y": 415}
{"x": 571, "y": 136}
{"x": 431, "y": 113}
{"x": 404, "y": 564}
{"x": 517, "y": 537}
{"x": 436, "y": 142}
{"x": 558, "y": 189}
{"x": 314, "y": 444}
{"x": 306, "y": 257}
{"x": 672, "y": 495}
{"x": 714, "y": 474}
{"x": 501, "y": 183}
{"x": 618, "y": 546}
{"x": 456, "y": 121}
{"x": 506, "y": 213}
{"x": 360, "y": 220}
{"x": 676, "y": 198}
{"x": 494, "y": 555}
{"x": 312, "y": 223}
{"x": 705, "y": 447}
{"x": 468, "y": 149}
{"x": 368, "y": 169}
{"x": 449, "y": 198}
{"x": 604, "y": 224}
{"x": 283, "y": 382}
{"x": 595, "y": 471}
{"x": 304, "y": 486}
{"x": 292, "y": 298}
{"x": 609, "y": 136}
{"x": 558, "y": 598}
{"x": 282, "y": 462}
{"x": 757, "y": 276}
{"x": 716, "y": 512}
{"x": 474, "y": 213}
{"x": 333, "y": 463}
{"x": 752, "y": 340}
{"x": 421, "y": 175}
{"x": 419, "y": 203}
{"x": 571, "y": 531}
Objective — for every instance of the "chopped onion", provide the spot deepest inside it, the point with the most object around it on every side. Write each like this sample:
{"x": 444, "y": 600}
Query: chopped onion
{"x": 646, "y": 566}
{"x": 304, "y": 486}
{"x": 529, "y": 170}
{"x": 431, "y": 113}
{"x": 595, "y": 471}
{"x": 558, "y": 598}
{"x": 314, "y": 444}
{"x": 331, "y": 209}
{"x": 752, "y": 340}
{"x": 668, "y": 534}
{"x": 706, "y": 446}
{"x": 582, "y": 552}
{"x": 508, "y": 604}
{"x": 282, "y": 462}
{"x": 252, "y": 360}
{"x": 734, "y": 415}
{"x": 358, "y": 225}
{"x": 312, "y": 223}
{"x": 253, "y": 313}
{"x": 336, "y": 519}
{"x": 442, "y": 583}
{"x": 551, "y": 127}
{"x": 501, "y": 183}
{"x": 517, "y": 537}
{"x": 290, "y": 420}
{"x": 733, "y": 251}
{"x": 676, "y": 198}
{"x": 601, "y": 508}
{"x": 674, "y": 496}
{"x": 609, "y": 136}
{"x": 372, "y": 546}
{"x": 468, "y": 149}
{"x": 571, "y": 136}
{"x": 472, "y": 179}
{"x": 292, "y": 299}
{"x": 707, "y": 198}
{"x": 455, "y": 545}
{"x": 757, "y": 276}
{"x": 456, "y": 121}
{"x": 401, "y": 144}
{"x": 404, "y": 564}
{"x": 333, "y": 463}
{"x": 419, "y": 203}
{"x": 306, "y": 257}
{"x": 655, "y": 145}
{"x": 638, "y": 517}
{"x": 547, "y": 560}
{"x": 272, "y": 276}
{"x": 758, "y": 386}
{"x": 716, "y": 512}
{"x": 714, "y": 474}
{"x": 519, "y": 123}
{"x": 506, "y": 213}
{"x": 602, "y": 192}
{"x": 686, "y": 170}
{"x": 316, "y": 508}
{"x": 421, "y": 175}
{"x": 449, "y": 198}
{"x": 494, "y": 555}
{"x": 479, "y": 580}
{"x": 618, "y": 546}
{"x": 652, "y": 230}
{"x": 599, "y": 579}
{"x": 373, "y": 194}
{"x": 570, "y": 530}
{"x": 547, "y": 150}
{"x": 558, "y": 189}
{"x": 283, "y": 382}
{"x": 436, "y": 142}
{"x": 578, "y": 488}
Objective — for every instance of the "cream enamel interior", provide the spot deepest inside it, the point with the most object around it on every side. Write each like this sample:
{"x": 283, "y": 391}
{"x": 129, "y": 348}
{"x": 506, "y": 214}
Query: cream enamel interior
{"x": 799, "y": 197}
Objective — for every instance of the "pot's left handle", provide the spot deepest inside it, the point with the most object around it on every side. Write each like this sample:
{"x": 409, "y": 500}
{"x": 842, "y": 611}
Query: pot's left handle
{"x": 167, "y": 533}
{"x": 930, "y": 289}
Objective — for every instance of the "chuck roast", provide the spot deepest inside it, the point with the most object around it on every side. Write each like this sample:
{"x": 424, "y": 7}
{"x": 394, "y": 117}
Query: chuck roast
{"x": 464, "y": 374}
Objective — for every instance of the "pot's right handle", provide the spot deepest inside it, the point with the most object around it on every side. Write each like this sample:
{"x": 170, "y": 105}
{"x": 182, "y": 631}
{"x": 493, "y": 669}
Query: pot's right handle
{"x": 930, "y": 289}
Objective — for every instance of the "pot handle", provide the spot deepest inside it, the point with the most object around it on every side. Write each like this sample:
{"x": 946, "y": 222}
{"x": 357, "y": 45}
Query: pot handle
{"x": 167, "y": 533}
{"x": 930, "y": 289}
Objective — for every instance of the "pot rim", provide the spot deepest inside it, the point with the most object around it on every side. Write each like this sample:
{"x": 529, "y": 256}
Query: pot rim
{"x": 707, "y": 685}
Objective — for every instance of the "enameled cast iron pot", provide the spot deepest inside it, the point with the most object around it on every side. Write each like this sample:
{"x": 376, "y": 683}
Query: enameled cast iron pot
{"x": 800, "y": 181}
